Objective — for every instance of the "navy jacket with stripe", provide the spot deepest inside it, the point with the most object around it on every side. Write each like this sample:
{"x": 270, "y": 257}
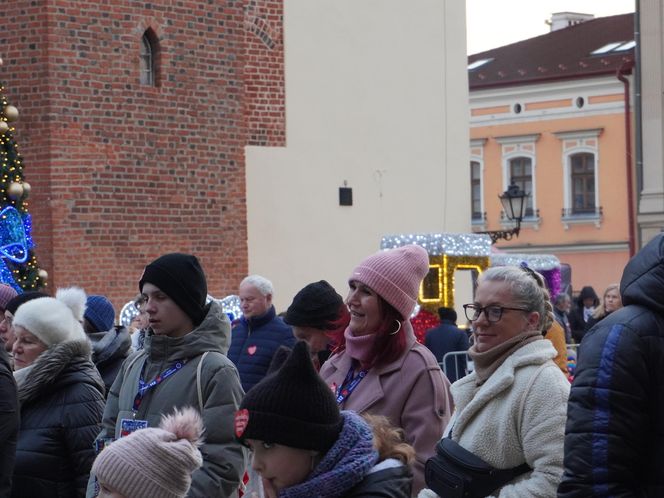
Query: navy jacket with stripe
{"x": 614, "y": 437}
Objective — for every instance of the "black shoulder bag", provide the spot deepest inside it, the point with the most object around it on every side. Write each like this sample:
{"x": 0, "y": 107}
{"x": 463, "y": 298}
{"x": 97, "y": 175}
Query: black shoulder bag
{"x": 454, "y": 472}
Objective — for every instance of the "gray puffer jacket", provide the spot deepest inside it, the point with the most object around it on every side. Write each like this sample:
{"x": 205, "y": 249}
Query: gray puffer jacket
{"x": 224, "y": 459}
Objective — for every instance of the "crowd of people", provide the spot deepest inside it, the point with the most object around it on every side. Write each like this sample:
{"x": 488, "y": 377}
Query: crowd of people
{"x": 334, "y": 397}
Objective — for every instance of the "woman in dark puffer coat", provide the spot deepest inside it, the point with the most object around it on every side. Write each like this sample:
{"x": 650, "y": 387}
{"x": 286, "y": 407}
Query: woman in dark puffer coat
{"x": 61, "y": 395}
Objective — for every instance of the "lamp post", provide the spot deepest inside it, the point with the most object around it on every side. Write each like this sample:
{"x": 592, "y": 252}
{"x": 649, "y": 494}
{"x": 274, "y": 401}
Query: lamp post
{"x": 514, "y": 204}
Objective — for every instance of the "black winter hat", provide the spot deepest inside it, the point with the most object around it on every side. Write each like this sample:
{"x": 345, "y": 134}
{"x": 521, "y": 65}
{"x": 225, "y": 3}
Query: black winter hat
{"x": 587, "y": 292}
{"x": 15, "y": 302}
{"x": 181, "y": 278}
{"x": 292, "y": 406}
{"x": 316, "y": 305}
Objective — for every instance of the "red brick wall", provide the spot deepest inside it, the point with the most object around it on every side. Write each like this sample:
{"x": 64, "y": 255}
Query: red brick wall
{"x": 122, "y": 172}
{"x": 264, "y": 72}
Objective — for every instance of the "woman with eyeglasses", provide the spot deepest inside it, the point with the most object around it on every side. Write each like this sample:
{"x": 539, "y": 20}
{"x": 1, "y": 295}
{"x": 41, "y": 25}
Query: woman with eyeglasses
{"x": 511, "y": 410}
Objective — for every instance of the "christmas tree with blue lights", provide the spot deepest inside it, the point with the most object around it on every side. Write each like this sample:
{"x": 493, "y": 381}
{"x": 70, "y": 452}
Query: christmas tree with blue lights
{"x": 18, "y": 263}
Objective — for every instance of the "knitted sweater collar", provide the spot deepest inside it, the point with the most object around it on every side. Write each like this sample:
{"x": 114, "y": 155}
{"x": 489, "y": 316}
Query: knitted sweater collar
{"x": 344, "y": 466}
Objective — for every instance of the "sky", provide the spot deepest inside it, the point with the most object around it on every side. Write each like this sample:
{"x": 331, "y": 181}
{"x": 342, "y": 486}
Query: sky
{"x": 494, "y": 23}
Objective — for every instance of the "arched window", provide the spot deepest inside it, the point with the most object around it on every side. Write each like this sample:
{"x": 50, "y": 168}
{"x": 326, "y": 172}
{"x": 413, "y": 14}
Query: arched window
{"x": 149, "y": 59}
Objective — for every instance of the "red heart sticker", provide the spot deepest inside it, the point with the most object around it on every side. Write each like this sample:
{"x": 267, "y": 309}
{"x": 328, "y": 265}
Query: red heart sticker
{"x": 241, "y": 421}
{"x": 251, "y": 350}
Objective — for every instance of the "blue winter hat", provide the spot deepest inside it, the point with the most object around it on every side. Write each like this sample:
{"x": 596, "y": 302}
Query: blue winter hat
{"x": 100, "y": 313}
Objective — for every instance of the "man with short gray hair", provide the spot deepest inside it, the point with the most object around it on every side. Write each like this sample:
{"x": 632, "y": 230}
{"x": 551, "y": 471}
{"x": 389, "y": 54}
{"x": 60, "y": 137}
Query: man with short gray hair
{"x": 258, "y": 333}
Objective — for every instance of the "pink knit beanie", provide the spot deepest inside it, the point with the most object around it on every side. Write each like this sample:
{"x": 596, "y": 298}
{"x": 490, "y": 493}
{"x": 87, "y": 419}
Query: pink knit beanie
{"x": 154, "y": 462}
{"x": 395, "y": 275}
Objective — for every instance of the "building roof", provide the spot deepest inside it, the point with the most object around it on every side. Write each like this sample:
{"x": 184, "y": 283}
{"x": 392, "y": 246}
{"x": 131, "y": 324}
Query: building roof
{"x": 563, "y": 54}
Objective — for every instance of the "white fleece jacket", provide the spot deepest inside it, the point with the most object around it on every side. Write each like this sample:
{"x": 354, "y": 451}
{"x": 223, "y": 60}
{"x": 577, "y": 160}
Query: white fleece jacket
{"x": 518, "y": 415}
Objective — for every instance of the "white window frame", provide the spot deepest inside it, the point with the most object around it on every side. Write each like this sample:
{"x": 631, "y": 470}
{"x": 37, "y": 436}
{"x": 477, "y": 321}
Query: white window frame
{"x": 575, "y": 142}
{"x": 520, "y": 146}
{"x": 477, "y": 155}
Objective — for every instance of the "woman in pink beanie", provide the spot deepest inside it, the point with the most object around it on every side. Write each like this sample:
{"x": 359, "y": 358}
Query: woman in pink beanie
{"x": 380, "y": 368}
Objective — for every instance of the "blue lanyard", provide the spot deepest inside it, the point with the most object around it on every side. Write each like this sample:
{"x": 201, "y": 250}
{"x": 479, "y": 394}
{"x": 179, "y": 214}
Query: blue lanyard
{"x": 144, "y": 387}
{"x": 349, "y": 385}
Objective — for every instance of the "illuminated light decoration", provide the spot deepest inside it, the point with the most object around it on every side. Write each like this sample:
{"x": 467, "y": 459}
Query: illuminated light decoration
{"x": 231, "y": 306}
{"x": 437, "y": 244}
{"x": 16, "y": 244}
{"x": 448, "y": 252}
{"x": 13, "y": 242}
{"x": 128, "y": 312}
{"x": 423, "y": 321}
{"x": 547, "y": 265}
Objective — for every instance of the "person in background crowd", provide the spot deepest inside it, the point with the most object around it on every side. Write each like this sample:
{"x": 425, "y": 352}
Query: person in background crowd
{"x": 319, "y": 317}
{"x": 556, "y": 336}
{"x": 61, "y": 395}
{"x": 381, "y": 368}
{"x": 9, "y": 422}
{"x": 6, "y": 325}
{"x": 110, "y": 344}
{"x": 303, "y": 447}
{"x": 562, "y": 304}
{"x": 183, "y": 364}
{"x": 611, "y": 301}
{"x": 511, "y": 409}
{"x": 153, "y": 462}
{"x": 614, "y": 438}
{"x": 579, "y": 316}
{"x": 258, "y": 333}
{"x": 7, "y": 293}
{"x": 448, "y": 338}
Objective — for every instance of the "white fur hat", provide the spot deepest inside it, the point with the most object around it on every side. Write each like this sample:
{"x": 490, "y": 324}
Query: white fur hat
{"x": 54, "y": 320}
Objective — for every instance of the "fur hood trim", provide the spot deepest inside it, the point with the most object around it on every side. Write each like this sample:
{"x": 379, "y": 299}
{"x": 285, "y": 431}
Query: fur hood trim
{"x": 48, "y": 368}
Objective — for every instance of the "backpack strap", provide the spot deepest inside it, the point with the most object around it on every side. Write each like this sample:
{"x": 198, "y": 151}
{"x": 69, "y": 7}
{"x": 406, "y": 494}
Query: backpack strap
{"x": 199, "y": 389}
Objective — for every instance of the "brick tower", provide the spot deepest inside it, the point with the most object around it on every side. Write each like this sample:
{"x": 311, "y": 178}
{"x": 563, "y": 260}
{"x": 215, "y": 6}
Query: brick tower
{"x": 134, "y": 118}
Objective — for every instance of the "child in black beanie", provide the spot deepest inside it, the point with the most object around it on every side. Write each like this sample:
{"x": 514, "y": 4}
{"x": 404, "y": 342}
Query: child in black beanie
{"x": 303, "y": 446}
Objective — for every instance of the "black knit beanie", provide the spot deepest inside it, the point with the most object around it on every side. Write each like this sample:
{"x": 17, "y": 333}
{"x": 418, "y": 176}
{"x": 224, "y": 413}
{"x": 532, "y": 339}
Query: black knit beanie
{"x": 292, "y": 407}
{"x": 181, "y": 278}
{"x": 15, "y": 302}
{"x": 316, "y": 305}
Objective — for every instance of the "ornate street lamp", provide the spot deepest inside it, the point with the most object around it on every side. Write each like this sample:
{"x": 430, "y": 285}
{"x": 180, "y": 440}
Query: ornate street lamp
{"x": 514, "y": 204}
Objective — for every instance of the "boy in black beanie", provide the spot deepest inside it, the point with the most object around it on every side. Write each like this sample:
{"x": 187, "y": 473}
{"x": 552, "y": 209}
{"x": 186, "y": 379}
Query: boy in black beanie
{"x": 183, "y": 363}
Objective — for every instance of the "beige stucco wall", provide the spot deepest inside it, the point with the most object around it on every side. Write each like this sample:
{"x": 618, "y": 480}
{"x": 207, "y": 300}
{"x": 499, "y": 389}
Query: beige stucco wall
{"x": 376, "y": 96}
{"x": 651, "y": 199}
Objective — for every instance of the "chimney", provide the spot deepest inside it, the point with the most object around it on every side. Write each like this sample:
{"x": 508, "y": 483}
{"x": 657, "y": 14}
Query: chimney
{"x": 562, "y": 20}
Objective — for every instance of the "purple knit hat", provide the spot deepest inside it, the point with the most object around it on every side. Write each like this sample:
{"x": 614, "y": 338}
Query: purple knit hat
{"x": 395, "y": 275}
{"x": 7, "y": 292}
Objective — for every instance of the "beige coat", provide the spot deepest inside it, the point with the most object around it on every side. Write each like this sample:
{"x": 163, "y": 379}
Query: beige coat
{"x": 411, "y": 392}
{"x": 518, "y": 415}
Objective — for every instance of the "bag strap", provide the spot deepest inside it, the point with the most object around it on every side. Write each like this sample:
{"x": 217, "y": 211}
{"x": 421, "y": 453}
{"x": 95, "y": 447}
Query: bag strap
{"x": 199, "y": 390}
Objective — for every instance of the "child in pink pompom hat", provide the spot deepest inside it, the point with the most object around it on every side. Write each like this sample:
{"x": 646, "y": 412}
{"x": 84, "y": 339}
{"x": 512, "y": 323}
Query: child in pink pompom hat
{"x": 152, "y": 462}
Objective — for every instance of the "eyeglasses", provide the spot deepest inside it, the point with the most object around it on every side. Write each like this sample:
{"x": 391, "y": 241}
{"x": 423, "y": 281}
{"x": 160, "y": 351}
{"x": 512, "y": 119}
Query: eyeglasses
{"x": 493, "y": 312}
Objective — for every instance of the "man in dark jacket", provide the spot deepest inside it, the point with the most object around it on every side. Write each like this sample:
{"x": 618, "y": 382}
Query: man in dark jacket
{"x": 9, "y": 421}
{"x": 111, "y": 344}
{"x": 448, "y": 338}
{"x": 614, "y": 438}
{"x": 258, "y": 333}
